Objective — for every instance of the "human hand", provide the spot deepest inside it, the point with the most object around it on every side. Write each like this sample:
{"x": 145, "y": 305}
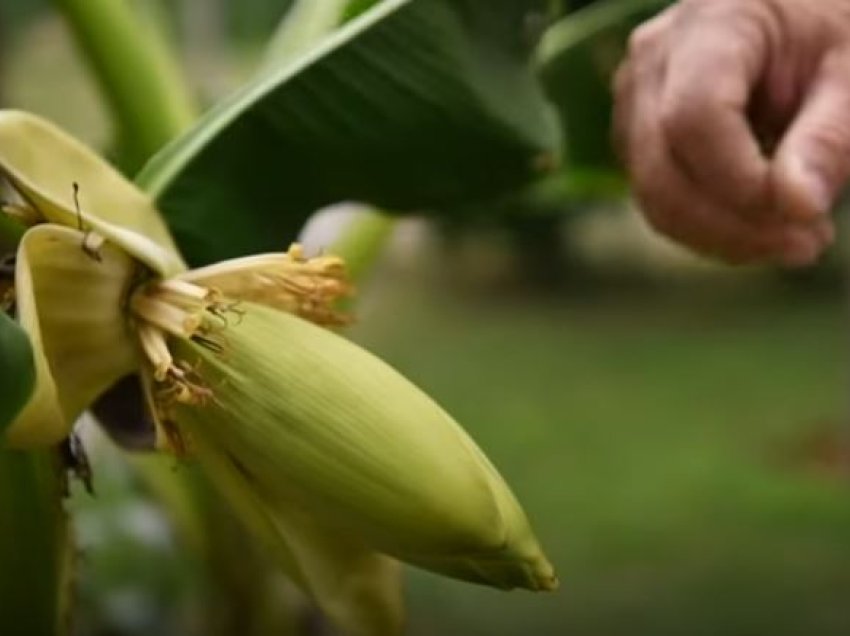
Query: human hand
{"x": 733, "y": 119}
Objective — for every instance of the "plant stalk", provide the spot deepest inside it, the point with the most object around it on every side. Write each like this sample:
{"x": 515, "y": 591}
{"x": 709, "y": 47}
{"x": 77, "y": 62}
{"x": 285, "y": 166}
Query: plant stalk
{"x": 362, "y": 242}
{"x": 10, "y": 233}
{"x": 306, "y": 22}
{"x": 35, "y": 547}
{"x": 137, "y": 74}
{"x": 586, "y": 23}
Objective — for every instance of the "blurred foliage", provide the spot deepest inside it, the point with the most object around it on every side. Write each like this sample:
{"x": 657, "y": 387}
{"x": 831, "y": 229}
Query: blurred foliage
{"x": 149, "y": 568}
{"x": 253, "y": 20}
{"x": 356, "y": 7}
{"x": 17, "y": 12}
{"x": 678, "y": 445}
{"x": 17, "y": 372}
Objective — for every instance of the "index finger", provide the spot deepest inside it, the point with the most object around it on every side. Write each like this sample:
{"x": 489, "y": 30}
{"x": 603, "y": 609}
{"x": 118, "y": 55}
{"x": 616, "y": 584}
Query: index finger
{"x": 710, "y": 77}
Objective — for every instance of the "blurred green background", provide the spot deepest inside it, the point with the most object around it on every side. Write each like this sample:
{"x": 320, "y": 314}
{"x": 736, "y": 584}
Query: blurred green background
{"x": 678, "y": 432}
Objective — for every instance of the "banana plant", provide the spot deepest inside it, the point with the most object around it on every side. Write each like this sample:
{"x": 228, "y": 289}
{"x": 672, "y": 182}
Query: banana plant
{"x": 333, "y": 457}
{"x": 454, "y": 114}
{"x": 337, "y": 464}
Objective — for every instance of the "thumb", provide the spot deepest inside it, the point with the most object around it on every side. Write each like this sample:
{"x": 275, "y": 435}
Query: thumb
{"x": 812, "y": 163}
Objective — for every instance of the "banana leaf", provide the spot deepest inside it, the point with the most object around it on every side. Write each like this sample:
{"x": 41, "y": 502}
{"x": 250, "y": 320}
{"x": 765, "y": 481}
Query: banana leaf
{"x": 412, "y": 105}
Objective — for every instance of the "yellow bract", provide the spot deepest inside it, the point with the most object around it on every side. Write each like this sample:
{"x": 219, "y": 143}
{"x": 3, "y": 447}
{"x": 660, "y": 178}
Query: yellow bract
{"x": 43, "y": 163}
{"x": 72, "y": 308}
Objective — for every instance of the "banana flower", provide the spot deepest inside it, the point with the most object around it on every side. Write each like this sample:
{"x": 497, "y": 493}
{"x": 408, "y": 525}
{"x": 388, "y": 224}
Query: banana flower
{"x": 338, "y": 463}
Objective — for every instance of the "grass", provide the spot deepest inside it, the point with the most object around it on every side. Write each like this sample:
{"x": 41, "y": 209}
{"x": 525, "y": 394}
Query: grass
{"x": 659, "y": 443}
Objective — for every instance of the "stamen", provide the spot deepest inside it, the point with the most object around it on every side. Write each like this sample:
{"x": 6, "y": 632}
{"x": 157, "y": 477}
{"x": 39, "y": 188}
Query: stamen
{"x": 184, "y": 388}
{"x": 155, "y": 348}
{"x": 295, "y": 252}
{"x": 182, "y": 288}
{"x": 166, "y": 316}
{"x": 287, "y": 281}
{"x": 223, "y": 310}
{"x": 175, "y": 439}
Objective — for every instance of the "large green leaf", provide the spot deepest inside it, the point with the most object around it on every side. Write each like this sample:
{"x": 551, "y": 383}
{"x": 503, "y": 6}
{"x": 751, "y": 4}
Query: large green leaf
{"x": 356, "y": 7}
{"x": 17, "y": 372}
{"x": 413, "y": 104}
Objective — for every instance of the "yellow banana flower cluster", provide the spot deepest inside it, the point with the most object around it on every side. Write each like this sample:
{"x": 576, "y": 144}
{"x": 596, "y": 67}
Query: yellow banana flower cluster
{"x": 338, "y": 463}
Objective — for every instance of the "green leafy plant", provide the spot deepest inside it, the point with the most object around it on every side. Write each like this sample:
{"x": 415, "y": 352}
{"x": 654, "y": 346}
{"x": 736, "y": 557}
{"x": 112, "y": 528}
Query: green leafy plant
{"x": 335, "y": 463}
{"x": 329, "y": 450}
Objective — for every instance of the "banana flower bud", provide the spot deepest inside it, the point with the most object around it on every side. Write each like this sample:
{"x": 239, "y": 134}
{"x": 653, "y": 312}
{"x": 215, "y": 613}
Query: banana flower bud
{"x": 339, "y": 463}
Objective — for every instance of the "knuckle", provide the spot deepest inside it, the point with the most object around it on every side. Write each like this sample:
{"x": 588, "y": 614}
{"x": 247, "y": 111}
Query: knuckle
{"x": 830, "y": 149}
{"x": 831, "y": 140}
{"x": 638, "y": 42}
{"x": 644, "y": 37}
{"x": 679, "y": 118}
{"x": 688, "y": 113}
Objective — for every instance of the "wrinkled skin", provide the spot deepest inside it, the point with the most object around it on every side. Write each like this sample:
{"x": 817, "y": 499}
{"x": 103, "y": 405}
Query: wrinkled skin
{"x": 733, "y": 120}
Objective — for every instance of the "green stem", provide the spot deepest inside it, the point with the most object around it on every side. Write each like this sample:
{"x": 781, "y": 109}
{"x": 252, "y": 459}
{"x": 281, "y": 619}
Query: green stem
{"x": 240, "y": 580}
{"x": 138, "y": 77}
{"x": 586, "y": 23}
{"x": 34, "y": 544}
{"x": 362, "y": 243}
{"x": 11, "y": 233}
{"x": 17, "y": 370}
{"x": 307, "y": 22}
